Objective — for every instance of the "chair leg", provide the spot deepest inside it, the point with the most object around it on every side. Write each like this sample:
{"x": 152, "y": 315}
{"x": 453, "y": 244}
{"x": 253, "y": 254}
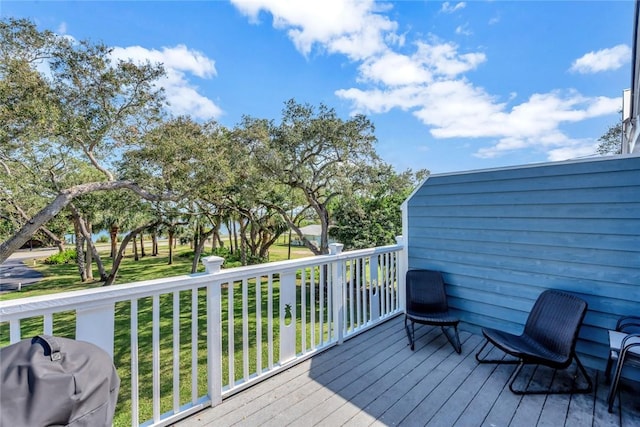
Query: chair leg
{"x": 485, "y": 360}
{"x": 613, "y": 388}
{"x": 572, "y": 390}
{"x": 607, "y": 370}
{"x": 410, "y": 333}
{"x": 454, "y": 338}
{"x": 585, "y": 375}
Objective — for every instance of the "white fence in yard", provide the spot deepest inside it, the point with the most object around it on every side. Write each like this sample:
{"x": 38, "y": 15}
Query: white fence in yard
{"x": 184, "y": 343}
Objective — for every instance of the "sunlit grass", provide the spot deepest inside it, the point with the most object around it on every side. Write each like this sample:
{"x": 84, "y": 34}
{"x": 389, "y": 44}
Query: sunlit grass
{"x": 65, "y": 277}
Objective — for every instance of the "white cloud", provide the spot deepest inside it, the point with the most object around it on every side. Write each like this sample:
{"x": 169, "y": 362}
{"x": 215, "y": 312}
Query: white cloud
{"x": 463, "y": 30}
{"x": 429, "y": 62}
{"x": 458, "y": 109}
{"x": 445, "y": 60}
{"x": 602, "y": 60}
{"x": 394, "y": 69}
{"x": 430, "y": 81}
{"x": 354, "y": 28}
{"x": 448, "y": 8}
{"x": 178, "y": 61}
{"x": 573, "y": 150}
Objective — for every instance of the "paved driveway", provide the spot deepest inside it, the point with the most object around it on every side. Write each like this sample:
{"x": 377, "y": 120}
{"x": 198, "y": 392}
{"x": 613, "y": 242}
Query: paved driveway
{"x": 15, "y": 271}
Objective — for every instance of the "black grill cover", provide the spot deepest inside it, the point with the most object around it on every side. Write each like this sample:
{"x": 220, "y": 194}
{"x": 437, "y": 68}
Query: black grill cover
{"x": 53, "y": 381}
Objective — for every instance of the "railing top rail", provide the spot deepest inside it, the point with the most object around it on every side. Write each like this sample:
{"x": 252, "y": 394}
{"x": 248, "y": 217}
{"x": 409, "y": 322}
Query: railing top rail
{"x": 89, "y": 298}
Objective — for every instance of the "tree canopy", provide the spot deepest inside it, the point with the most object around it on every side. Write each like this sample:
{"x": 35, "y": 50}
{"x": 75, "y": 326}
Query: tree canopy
{"x": 86, "y": 142}
{"x": 611, "y": 141}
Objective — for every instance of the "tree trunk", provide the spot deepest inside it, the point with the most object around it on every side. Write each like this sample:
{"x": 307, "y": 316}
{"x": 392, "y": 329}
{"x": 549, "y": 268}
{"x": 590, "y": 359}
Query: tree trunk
{"x": 243, "y": 244}
{"x": 220, "y": 241}
{"x": 88, "y": 258}
{"x": 196, "y": 236}
{"x": 79, "y": 251}
{"x": 142, "y": 252}
{"x": 120, "y": 254}
{"x": 198, "y": 249}
{"x": 170, "y": 246}
{"x": 135, "y": 249}
{"x": 113, "y": 233}
{"x": 235, "y": 237}
{"x": 94, "y": 251}
{"x": 154, "y": 243}
{"x": 118, "y": 259}
{"x": 324, "y": 231}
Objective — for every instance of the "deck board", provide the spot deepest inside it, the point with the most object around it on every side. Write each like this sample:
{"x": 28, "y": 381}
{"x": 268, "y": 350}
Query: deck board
{"x": 374, "y": 379}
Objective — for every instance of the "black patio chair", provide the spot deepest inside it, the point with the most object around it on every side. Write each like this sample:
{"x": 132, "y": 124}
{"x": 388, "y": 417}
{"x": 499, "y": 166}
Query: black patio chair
{"x": 549, "y": 338}
{"x": 625, "y": 349}
{"x": 427, "y": 305}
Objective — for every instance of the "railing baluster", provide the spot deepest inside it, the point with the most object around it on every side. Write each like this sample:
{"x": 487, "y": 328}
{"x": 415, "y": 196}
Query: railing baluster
{"x": 365, "y": 291}
{"x": 322, "y": 286}
{"x": 194, "y": 345}
{"x": 245, "y": 329}
{"x": 14, "y": 331}
{"x": 395, "y": 280}
{"x": 155, "y": 327}
{"x": 48, "y": 324}
{"x": 258, "y": 325}
{"x": 270, "y": 319}
{"x": 135, "y": 392}
{"x": 343, "y": 305}
{"x": 230, "y": 337}
{"x": 303, "y": 308}
{"x": 312, "y": 304}
{"x": 176, "y": 351}
{"x": 392, "y": 289}
{"x": 358, "y": 286}
{"x": 351, "y": 295}
{"x": 384, "y": 284}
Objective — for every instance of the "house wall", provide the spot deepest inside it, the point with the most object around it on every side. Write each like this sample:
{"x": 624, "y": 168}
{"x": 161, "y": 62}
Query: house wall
{"x": 503, "y": 236}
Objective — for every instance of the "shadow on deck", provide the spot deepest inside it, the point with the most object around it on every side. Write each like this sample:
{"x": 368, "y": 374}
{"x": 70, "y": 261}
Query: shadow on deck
{"x": 375, "y": 379}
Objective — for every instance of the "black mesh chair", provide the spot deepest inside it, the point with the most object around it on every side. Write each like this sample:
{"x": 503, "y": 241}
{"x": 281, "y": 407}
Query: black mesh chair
{"x": 625, "y": 348}
{"x": 549, "y": 339}
{"x": 427, "y": 305}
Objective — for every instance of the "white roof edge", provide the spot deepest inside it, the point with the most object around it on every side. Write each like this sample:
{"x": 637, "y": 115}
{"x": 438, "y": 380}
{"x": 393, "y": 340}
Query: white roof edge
{"x": 415, "y": 190}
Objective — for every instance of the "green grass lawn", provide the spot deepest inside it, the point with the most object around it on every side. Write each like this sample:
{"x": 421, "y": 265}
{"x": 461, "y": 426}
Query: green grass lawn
{"x": 65, "y": 277}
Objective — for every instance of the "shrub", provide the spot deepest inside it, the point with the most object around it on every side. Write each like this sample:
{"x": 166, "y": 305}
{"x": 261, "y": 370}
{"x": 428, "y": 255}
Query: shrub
{"x": 65, "y": 257}
{"x": 102, "y": 239}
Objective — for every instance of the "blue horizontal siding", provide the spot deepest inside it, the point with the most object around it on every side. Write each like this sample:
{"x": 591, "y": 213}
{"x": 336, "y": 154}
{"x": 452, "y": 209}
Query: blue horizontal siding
{"x": 503, "y": 236}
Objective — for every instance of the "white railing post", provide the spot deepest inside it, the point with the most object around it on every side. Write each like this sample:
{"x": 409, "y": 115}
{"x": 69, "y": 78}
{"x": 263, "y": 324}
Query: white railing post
{"x": 402, "y": 272}
{"x": 287, "y": 316}
{"x": 96, "y": 325}
{"x": 374, "y": 289}
{"x": 212, "y": 265}
{"x": 214, "y": 342}
{"x": 337, "y": 283}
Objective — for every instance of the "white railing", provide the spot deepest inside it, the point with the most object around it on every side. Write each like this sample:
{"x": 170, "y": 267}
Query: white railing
{"x": 186, "y": 342}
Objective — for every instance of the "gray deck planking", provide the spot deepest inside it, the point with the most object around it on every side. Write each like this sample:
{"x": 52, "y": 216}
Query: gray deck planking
{"x": 374, "y": 379}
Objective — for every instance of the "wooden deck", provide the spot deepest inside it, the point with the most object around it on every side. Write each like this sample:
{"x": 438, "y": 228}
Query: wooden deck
{"x": 375, "y": 379}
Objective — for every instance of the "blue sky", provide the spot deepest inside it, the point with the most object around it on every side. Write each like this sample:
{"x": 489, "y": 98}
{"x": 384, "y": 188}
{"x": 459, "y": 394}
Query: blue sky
{"x": 449, "y": 85}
